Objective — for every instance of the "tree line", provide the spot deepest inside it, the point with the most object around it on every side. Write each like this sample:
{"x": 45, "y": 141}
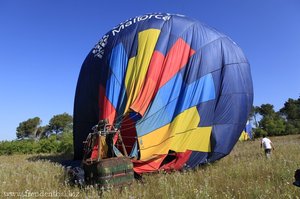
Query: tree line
{"x": 32, "y": 128}
{"x": 283, "y": 122}
{"x": 33, "y": 138}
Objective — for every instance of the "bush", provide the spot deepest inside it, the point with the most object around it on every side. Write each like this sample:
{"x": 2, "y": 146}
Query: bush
{"x": 66, "y": 143}
{"x": 53, "y": 144}
{"x": 258, "y": 132}
{"x": 48, "y": 145}
{"x": 18, "y": 147}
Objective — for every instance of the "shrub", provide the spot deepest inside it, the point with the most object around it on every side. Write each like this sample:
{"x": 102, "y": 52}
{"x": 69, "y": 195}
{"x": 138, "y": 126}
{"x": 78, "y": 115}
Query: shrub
{"x": 62, "y": 143}
{"x": 258, "y": 132}
{"x": 66, "y": 143}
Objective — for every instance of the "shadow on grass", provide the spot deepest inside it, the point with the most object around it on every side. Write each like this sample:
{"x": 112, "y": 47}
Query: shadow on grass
{"x": 64, "y": 159}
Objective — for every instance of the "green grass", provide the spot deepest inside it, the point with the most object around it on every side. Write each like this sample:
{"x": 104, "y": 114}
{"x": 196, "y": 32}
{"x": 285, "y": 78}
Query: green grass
{"x": 245, "y": 173}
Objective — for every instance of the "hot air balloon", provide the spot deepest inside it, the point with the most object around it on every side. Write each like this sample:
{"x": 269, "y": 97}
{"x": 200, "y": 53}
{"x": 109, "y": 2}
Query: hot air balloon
{"x": 178, "y": 90}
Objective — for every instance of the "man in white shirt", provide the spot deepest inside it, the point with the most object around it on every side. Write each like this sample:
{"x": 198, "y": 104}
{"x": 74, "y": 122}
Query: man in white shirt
{"x": 268, "y": 146}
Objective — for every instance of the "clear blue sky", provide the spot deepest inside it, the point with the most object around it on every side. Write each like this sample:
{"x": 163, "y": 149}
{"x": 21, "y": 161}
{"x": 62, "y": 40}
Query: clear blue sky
{"x": 44, "y": 42}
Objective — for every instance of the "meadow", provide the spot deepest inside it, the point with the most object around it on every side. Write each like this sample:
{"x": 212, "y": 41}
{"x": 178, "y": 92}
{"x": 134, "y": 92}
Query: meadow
{"x": 244, "y": 173}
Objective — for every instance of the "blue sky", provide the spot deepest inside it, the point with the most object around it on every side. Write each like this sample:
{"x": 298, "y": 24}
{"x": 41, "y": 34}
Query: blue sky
{"x": 44, "y": 42}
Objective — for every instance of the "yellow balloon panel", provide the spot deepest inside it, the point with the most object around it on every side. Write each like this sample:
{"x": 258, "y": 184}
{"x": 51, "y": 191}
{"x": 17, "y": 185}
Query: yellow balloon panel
{"x": 138, "y": 66}
{"x": 180, "y": 135}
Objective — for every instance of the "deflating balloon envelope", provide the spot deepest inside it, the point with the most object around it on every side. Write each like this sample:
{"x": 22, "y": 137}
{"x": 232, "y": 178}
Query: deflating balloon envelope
{"x": 179, "y": 91}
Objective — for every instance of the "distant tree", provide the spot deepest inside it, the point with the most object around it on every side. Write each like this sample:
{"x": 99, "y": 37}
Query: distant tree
{"x": 258, "y": 132}
{"x": 28, "y": 128}
{"x": 59, "y": 123}
{"x": 291, "y": 109}
{"x": 253, "y": 115}
{"x": 291, "y": 112}
{"x": 271, "y": 123}
{"x": 41, "y": 132}
{"x": 266, "y": 110}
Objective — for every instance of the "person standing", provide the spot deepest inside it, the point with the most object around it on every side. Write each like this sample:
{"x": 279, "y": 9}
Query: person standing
{"x": 297, "y": 178}
{"x": 267, "y": 144}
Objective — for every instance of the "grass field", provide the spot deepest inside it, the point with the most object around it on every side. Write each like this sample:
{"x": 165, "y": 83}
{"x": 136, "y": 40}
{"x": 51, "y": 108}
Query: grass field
{"x": 245, "y": 173}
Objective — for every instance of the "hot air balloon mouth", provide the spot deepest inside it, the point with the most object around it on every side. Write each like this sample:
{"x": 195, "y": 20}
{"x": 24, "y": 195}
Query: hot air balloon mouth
{"x": 129, "y": 133}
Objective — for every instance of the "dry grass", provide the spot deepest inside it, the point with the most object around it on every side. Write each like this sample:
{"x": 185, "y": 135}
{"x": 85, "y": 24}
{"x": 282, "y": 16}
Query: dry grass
{"x": 245, "y": 173}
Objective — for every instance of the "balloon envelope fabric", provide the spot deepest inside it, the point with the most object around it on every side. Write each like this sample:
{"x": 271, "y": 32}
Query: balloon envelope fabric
{"x": 179, "y": 91}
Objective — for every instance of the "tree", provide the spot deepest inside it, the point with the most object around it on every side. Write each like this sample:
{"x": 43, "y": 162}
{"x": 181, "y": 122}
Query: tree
{"x": 271, "y": 123}
{"x": 253, "y": 114}
{"x": 266, "y": 110}
{"x": 28, "y": 128}
{"x": 291, "y": 112}
{"x": 291, "y": 109}
{"x": 41, "y": 132}
{"x": 59, "y": 123}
